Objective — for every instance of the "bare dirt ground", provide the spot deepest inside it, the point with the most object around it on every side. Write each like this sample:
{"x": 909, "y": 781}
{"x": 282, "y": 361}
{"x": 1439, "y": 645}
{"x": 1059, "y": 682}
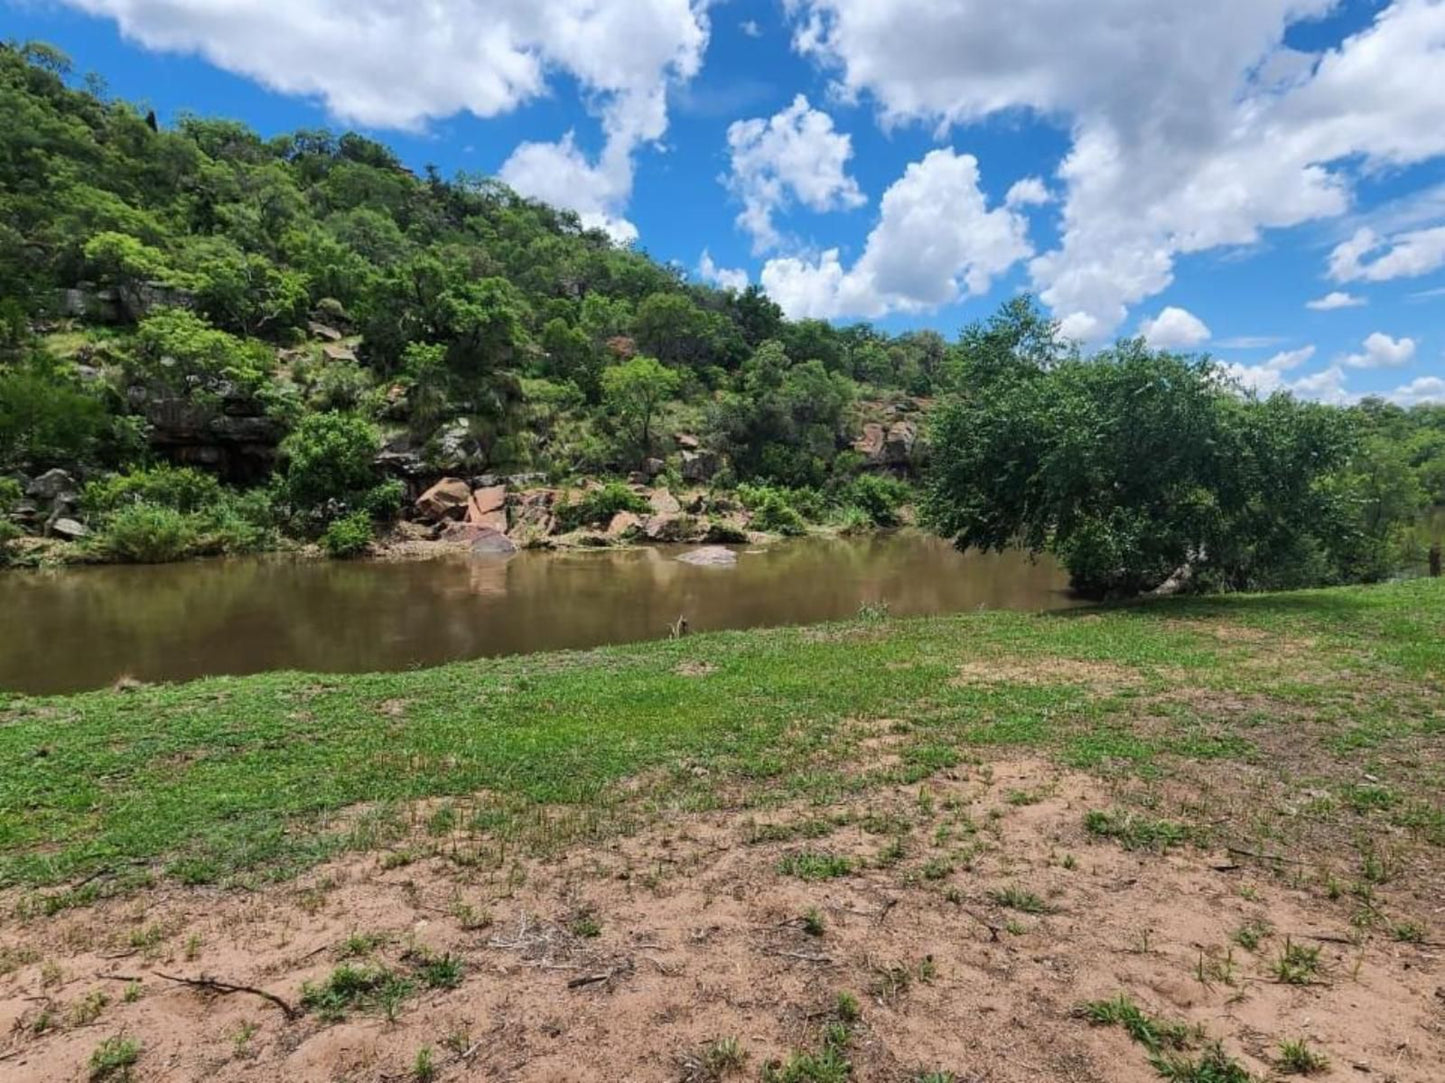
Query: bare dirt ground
{"x": 971, "y": 916}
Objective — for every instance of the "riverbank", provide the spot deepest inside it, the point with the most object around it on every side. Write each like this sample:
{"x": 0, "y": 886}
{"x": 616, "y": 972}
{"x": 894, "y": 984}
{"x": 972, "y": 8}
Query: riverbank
{"x": 606, "y": 864}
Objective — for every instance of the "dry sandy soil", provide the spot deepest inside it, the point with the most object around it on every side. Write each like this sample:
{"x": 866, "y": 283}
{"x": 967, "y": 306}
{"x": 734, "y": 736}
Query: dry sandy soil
{"x": 623, "y": 961}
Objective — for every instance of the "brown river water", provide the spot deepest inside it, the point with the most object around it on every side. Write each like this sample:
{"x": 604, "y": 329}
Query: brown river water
{"x": 84, "y": 627}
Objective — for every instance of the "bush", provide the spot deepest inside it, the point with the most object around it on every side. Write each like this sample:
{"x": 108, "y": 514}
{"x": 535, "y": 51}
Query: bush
{"x": 329, "y": 457}
{"x": 600, "y": 505}
{"x": 383, "y": 502}
{"x": 771, "y": 510}
{"x": 349, "y": 536}
{"x": 148, "y": 534}
{"x": 179, "y": 488}
{"x": 878, "y": 497}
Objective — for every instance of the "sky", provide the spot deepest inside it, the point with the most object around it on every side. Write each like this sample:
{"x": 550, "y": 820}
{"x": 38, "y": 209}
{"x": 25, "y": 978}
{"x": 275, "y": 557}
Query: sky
{"x": 1262, "y": 180}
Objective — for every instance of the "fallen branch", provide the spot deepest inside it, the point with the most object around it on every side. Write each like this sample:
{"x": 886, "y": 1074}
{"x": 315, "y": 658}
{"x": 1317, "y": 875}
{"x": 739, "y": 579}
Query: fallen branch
{"x": 803, "y": 955}
{"x": 591, "y": 979}
{"x": 214, "y": 986}
{"x": 1264, "y": 857}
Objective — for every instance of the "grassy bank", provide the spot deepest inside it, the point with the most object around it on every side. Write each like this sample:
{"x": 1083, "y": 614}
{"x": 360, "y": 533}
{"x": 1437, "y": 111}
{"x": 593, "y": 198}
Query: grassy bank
{"x": 1335, "y": 692}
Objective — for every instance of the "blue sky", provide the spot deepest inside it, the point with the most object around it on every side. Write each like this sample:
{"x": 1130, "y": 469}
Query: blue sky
{"x": 1199, "y": 173}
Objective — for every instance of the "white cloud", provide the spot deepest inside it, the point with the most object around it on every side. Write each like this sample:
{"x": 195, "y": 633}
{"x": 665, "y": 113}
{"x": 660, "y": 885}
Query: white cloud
{"x": 936, "y": 240}
{"x": 1425, "y": 295}
{"x": 560, "y": 174}
{"x": 726, "y": 278}
{"x": 751, "y": 28}
{"x": 1425, "y": 389}
{"x": 1248, "y": 342}
{"x": 793, "y": 155}
{"x": 390, "y": 64}
{"x": 1269, "y": 377}
{"x": 1029, "y": 192}
{"x": 1370, "y": 257}
{"x": 1174, "y": 329}
{"x": 1331, "y": 301}
{"x": 1383, "y": 352}
{"x": 1327, "y": 385}
{"x": 1193, "y": 125}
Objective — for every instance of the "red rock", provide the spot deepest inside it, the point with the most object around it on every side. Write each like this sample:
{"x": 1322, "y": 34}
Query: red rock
{"x": 663, "y": 502}
{"x": 447, "y": 499}
{"x": 623, "y": 523}
{"x": 488, "y": 507}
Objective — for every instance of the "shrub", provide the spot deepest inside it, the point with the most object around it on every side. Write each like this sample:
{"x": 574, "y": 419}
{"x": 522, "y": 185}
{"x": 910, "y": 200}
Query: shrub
{"x": 600, "y": 505}
{"x": 383, "y": 502}
{"x": 878, "y": 497}
{"x": 348, "y": 536}
{"x": 771, "y": 510}
{"x": 329, "y": 457}
{"x": 179, "y": 488}
{"x": 147, "y": 534}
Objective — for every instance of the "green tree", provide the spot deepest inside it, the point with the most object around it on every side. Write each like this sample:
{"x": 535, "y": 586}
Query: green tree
{"x": 634, "y": 391}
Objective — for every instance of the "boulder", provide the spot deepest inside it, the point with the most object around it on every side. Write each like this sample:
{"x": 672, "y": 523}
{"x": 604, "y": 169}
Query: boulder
{"x": 447, "y": 499}
{"x": 663, "y": 502}
{"x": 898, "y": 445}
{"x": 730, "y": 531}
{"x": 68, "y": 529}
{"x": 710, "y": 556}
{"x": 336, "y": 352}
{"x": 670, "y": 528}
{"x": 488, "y": 507}
{"x": 870, "y": 444}
{"x": 322, "y": 331}
{"x": 481, "y": 539}
{"x": 685, "y": 441}
{"x": 700, "y": 465}
{"x": 653, "y": 467}
{"x": 51, "y": 485}
{"x": 623, "y": 524}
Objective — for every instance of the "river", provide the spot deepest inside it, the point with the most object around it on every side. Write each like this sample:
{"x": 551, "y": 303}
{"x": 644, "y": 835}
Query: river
{"x": 84, "y": 627}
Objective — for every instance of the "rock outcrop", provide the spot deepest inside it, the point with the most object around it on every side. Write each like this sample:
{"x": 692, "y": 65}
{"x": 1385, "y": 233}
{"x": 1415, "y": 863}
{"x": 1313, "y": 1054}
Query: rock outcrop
{"x": 447, "y": 499}
{"x": 488, "y": 507}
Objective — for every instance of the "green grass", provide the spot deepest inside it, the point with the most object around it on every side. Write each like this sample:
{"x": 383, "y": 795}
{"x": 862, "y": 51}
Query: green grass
{"x": 1177, "y": 1052}
{"x": 114, "y": 1058}
{"x": 244, "y": 779}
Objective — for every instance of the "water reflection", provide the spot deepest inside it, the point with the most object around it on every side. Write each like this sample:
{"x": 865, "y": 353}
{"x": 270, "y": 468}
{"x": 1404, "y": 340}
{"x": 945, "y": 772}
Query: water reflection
{"x": 83, "y": 627}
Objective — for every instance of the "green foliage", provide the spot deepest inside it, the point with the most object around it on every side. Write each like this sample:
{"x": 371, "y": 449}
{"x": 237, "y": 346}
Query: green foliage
{"x": 878, "y": 497}
{"x": 1135, "y": 464}
{"x": 634, "y": 391}
{"x": 348, "y": 536}
{"x": 46, "y": 417}
{"x": 352, "y": 988}
{"x": 772, "y": 510}
{"x": 182, "y": 489}
{"x": 598, "y": 506}
{"x": 114, "y": 1058}
{"x": 147, "y": 534}
{"x": 330, "y": 462}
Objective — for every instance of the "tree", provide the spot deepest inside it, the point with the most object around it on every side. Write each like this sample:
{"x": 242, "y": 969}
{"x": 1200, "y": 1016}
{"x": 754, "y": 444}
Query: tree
{"x": 633, "y": 391}
{"x": 1134, "y": 464}
{"x": 330, "y": 461}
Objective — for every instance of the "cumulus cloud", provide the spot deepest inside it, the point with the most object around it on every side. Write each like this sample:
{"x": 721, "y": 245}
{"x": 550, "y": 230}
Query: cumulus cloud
{"x": 936, "y": 241}
{"x": 1194, "y": 126}
{"x": 1270, "y": 376}
{"x": 727, "y": 278}
{"x": 1383, "y": 352}
{"x": 793, "y": 155}
{"x": 1423, "y": 390}
{"x": 751, "y": 28}
{"x": 1174, "y": 329}
{"x": 560, "y": 174}
{"x": 1370, "y": 257}
{"x": 1331, "y": 301}
{"x": 396, "y": 65}
{"x": 1029, "y": 192}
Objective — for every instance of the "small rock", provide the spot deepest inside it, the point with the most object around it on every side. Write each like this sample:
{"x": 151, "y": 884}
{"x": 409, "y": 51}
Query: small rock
{"x": 653, "y": 467}
{"x": 68, "y": 529}
{"x": 710, "y": 556}
{"x": 482, "y": 539}
{"x": 686, "y": 441}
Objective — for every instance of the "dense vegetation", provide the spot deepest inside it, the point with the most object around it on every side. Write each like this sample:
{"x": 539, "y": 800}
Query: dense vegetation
{"x": 1138, "y": 468}
{"x": 232, "y": 340}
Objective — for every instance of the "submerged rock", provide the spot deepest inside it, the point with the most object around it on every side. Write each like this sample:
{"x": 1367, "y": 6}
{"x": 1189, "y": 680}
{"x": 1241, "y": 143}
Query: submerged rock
{"x": 710, "y": 556}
